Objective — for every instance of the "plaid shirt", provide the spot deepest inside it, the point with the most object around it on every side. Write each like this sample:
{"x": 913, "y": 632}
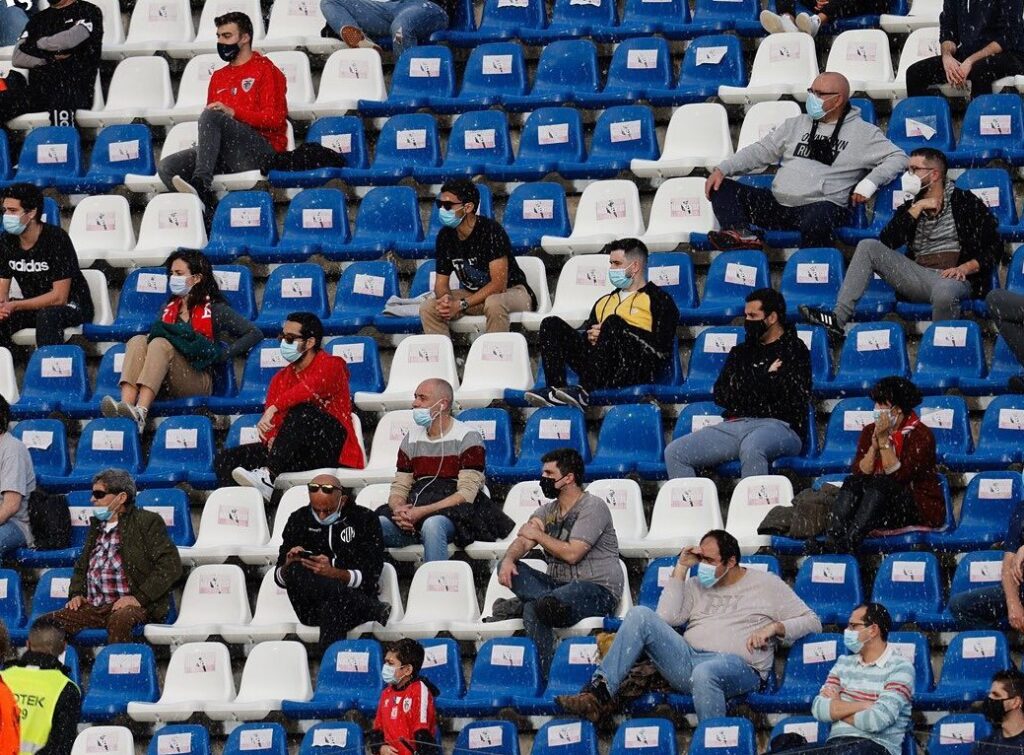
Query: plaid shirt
{"x": 105, "y": 580}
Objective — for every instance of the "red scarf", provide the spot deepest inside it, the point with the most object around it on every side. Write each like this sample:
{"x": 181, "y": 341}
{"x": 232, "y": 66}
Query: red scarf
{"x": 898, "y": 436}
{"x": 200, "y": 317}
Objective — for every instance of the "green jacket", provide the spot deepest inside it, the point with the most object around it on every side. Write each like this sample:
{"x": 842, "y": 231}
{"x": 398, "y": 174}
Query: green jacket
{"x": 151, "y": 562}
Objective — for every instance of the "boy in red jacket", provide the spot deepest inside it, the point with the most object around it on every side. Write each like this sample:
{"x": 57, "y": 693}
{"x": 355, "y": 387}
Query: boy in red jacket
{"x": 245, "y": 120}
{"x": 405, "y": 723}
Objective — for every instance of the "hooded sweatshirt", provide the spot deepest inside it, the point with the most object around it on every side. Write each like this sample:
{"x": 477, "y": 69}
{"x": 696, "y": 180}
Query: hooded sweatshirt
{"x": 862, "y": 154}
{"x": 972, "y": 24}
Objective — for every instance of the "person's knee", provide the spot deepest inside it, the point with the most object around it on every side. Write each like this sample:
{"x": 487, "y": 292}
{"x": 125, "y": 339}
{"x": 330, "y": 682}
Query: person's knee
{"x": 212, "y": 117}
{"x": 948, "y": 293}
{"x": 434, "y": 526}
{"x": 160, "y": 346}
{"x": 638, "y": 618}
{"x": 495, "y": 306}
{"x": 706, "y": 675}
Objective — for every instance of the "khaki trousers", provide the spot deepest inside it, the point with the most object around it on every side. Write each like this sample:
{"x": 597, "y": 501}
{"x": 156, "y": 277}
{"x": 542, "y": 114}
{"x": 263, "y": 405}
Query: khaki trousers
{"x": 158, "y": 365}
{"x": 495, "y": 309}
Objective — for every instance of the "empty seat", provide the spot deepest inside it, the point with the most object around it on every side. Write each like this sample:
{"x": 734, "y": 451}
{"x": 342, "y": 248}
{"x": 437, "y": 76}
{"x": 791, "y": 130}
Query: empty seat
{"x": 740, "y": 16}
{"x": 489, "y": 737}
{"x": 724, "y": 736}
{"x": 214, "y": 594}
{"x": 492, "y": 71}
{"x": 956, "y": 733}
{"x": 807, "y": 665}
{"x": 971, "y": 659}
{"x": 573, "y": 20}
{"x": 921, "y": 122}
{"x": 565, "y": 737}
{"x": 197, "y": 674}
{"x": 637, "y": 65}
{"x": 416, "y": 358}
{"x": 999, "y": 442}
{"x": 808, "y": 727}
{"x": 104, "y": 444}
{"x": 170, "y": 221}
{"x": 546, "y": 429}
{"x": 477, "y": 140}
{"x": 274, "y": 671}
{"x": 922, "y": 14}
{"x": 363, "y": 361}
{"x": 812, "y": 278}
{"x": 47, "y": 444}
{"x": 550, "y": 136}
{"x": 193, "y": 85}
{"x": 621, "y": 134}
{"x": 731, "y": 277}
{"x": 349, "y": 77}
{"x": 630, "y": 434}
{"x": 101, "y": 225}
{"x": 138, "y": 84}
{"x": 683, "y": 511}
{"x": 232, "y": 519}
{"x": 183, "y": 739}
{"x": 785, "y": 64}
{"x": 993, "y": 129}
{"x": 117, "y": 151}
{"x": 535, "y": 210}
{"x": 155, "y": 25}
{"x": 946, "y": 417}
{"x": 608, "y": 210}
{"x": 438, "y": 589}
{"x": 50, "y": 154}
{"x": 293, "y": 287}
{"x": 831, "y": 586}
{"x": 420, "y": 74}
{"x": 120, "y": 674}
{"x": 920, "y": 44}
{"x": 995, "y": 188}
{"x": 404, "y": 143}
{"x": 182, "y": 451}
{"x": 242, "y": 219}
{"x": 54, "y": 374}
{"x": 709, "y": 62}
{"x": 362, "y": 290}
{"x": 496, "y": 361}
{"x": 870, "y": 352}
{"x": 117, "y": 740}
{"x": 349, "y": 677}
{"x": 908, "y": 584}
{"x": 697, "y": 137}
{"x": 503, "y": 668}
{"x": 261, "y": 364}
{"x": 862, "y": 56}
{"x": 948, "y": 350}
{"x": 264, "y": 738}
{"x": 385, "y": 215}
{"x": 173, "y": 507}
{"x": 752, "y": 498}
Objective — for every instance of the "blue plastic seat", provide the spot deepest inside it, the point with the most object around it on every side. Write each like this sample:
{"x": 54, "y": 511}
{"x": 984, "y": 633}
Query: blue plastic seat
{"x": 332, "y": 738}
{"x": 104, "y": 444}
{"x": 108, "y": 379}
{"x": 12, "y": 608}
{"x": 814, "y": 731}
{"x": 442, "y": 666}
{"x": 550, "y": 137}
{"x": 812, "y": 277}
{"x": 362, "y": 290}
{"x": 295, "y": 287}
{"x": 666, "y": 385}
{"x": 143, "y": 295}
{"x": 55, "y": 375}
{"x": 181, "y": 739}
{"x": 691, "y": 418}
{"x": 242, "y": 431}
{"x": 724, "y": 736}
{"x": 534, "y": 210}
{"x": 1004, "y": 366}
{"x": 949, "y": 350}
{"x": 1015, "y": 275}
{"x": 50, "y": 154}
{"x": 621, "y": 134}
{"x": 266, "y": 738}
{"x": 182, "y": 451}
{"x": 867, "y": 21}
{"x": 343, "y": 134}
{"x": 741, "y": 16}
{"x": 6, "y": 168}
{"x": 349, "y": 678}
{"x": 995, "y": 187}
{"x": 316, "y": 223}
{"x": 671, "y": 20}
{"x": 630, "y": 434}
{"x": 120, "y": 674}
{"x": 362, "y": 359}
{"x": 47, "y": 444}
{"x": 870, "y": 352}
{"x": 637, "y": 65}
{"x": 477, "y": 140}
{"x": 651, "y": 586}
{"x": 262, "y": 363}
{"x": 731, "y": 277}
{"x": 546, "y": 429}
{"x": 117, "y": 151}
{"x": 993, "y": 129}
{"x": 644, "y": 736}
{"x": 565, "y": 737}
{"x": 573, "y": 21}
{"x": 404, "y": 142}
{"x": 914, "y": 647}
{"x": 499, "y": 21}
{"x": 235, "y": 283}
{"x": 420, "y": 74}
{"x": 574, "y": 663}
{"x": 816, "y": 340}
{"x": 956, "y": 734}
{"x": 495, "y": 427}
{"x": 988, "y": 502}
{"x": 411, "y": 324}
{"x": 977, "y": 570}
{"x": 831, "y": 586}
{"x": 493, "y": 71}
{"x": 51, "y": 594}
{"x": 408, "y": 247}
{"x": 173, "y": 506}
{"x": 971, "y": 659}
{"x": 386, "y": 215}
{"x": 841, "y": 435}
{"x": 566, "y": 68}
{"x": 949, "y": 421}
{"x": 243, "y": 219}
{"x": 504, "y": 668}
{"x": 707, "y": 358}
{"x": 699, "y": 78}
{"x": 918, "y": 537}
{"x": 909, "y": 584}
{"x": 808, "y": 663}
{"x": 999, "y": 439}
{"x": 486, "y": 737}
{"x": 921, "y": 122}
{"x": 887, "y": 199}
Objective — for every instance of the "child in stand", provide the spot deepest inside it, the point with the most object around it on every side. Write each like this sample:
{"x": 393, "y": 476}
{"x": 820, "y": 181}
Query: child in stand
{"x": 405, "y": 722}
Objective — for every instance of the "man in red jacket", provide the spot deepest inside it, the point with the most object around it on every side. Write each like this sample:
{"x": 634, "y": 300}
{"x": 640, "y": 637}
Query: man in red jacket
{"x": 245, "y": 120}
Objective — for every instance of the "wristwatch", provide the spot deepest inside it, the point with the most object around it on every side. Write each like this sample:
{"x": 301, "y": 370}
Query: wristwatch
{"x": 463, "y": 305}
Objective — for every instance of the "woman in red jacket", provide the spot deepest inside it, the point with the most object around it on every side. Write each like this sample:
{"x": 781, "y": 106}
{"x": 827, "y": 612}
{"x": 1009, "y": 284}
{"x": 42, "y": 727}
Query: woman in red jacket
{"x": 895, "y": 481}
{"x": 307, "y": 420}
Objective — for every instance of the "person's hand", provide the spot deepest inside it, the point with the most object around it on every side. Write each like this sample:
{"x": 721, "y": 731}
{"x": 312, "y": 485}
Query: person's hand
{"x": 1017, "y": 566}
{"x": 883, "y": 425}
{"x": 713, "y": 183}
{"x": 6, "y": 309}
{"x": 830, "y": 693}
{"x": 774, "y": 367}
{"x": 412, "y": 515}
{"x": 75, "y": 603}
{"x": 321, "y": 565}
{"x": 531, "y": 530}
{"x": 954, "y": 272}
{"x": 506, "y": 571}
{"x": 688, "y": 557}
{"x": 388, "y": 750}
{"x": 127, "y": 601}
{"x": 1016, "y": 616}
{"x": 443, "y": 307}
{"x": 965, "y": 72}
{"x": 593, "y": 333}
{"x": 759, "y": 638}
{"x": 858, "y": 198}
{"x": 821, "y": 6}
{"x": 293, "y": 555}
{"x": 221, "y": 108}
{"x": 929, "y": 204}
{"x": 951, "y": 67}
{"x": 266, "y": 423}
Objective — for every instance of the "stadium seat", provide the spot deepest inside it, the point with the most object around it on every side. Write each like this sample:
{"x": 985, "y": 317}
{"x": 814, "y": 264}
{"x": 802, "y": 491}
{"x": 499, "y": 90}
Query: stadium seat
{"x": 274, "y": 671}
{"x": 921, "y": 14}
{"x": 386, "y": 215}
{"x": 812, "y": 277}
{"x": 232, "y": 519}
{"x": 81, "y": 510}
{"x": 496, "y": 361}
{"x": 409, "y": 247}
{"x": 644, "y": 736}
{"x": 522, "y": 500}
{"x": 341, "y": 134}
{"x": 423, "y": 356}
{"x": 995, "y": 188}
{"x": 420, "y": 74}
{"x": 242, "y": 219}
{"x": 269, "y": 739}
{"x": 565, "y": 737}
{"x": 921, "y": 122}
{"x": 100, "y": 225}
{"x": 155, "y": 25}
{"x": 261, "y": 364}
{"x": 138, "y": 85}
{"x": 183, "y": 739}
{"x": 350, "y": 79}
{"x": 438, "y": 589}
{"x": 709, "y": 62}
{"x": 405, "y": 142}
{"x": 173, "y": 507}
{"x": 488, "y": 738}
{"x": 913, "y": 646}
{"x": 724, "y": 736}
{"x": 630, "y": 434}
{"x": 12, "y": 608}
{"x": 978, "y": 570}
{"x": 387, "y": 437}
{"x": 546, "y": 429}
{"x": 550, "y": 136}
{"x": 621, "y": 134}
{"x": 180, "y": 136}
{"x": 103, "y": 444}
{"x": 504, "y": 668}
{"x": 993, "y": 129}
{"x": 266, "y": 555}
{"x": 921, "y": 43}
{"x": 193, "y": 84}
{"x": 581, "y": 281}
{"x": 54, "y": 375}
{"x": 117, "y": 151}
{"x": 862, "y": 56}
{"x": 683, "y": 511}
{"x": 707, "y": 358}
{"x": 197, "y": 674}
{"x": 731, "y": 277}
{"x": 948, "y": 420}
{"x": 673, "y": 22}
{"x": 50, "y": 594}
{"x": 492, "y": 71}
{"x": 495, "y": 428}
{"x": 752, "y": 498}
{"x": 694, "y": 416}
{"x": 117, "y": 740}
{"x": 807, "y": 665}
{"x": 479, "y": 630}
{"x": 636, "y": 66}
{"x": 998, "y": 441}
{"x": 816, "y": 341}
{"x": 120, "y": 674}
{"x": 948, "y": 350}
{"x": 535, "y": 210}
{"x": 362, "y": 290}
{"x": 8, "y": 380}
{"x": 971, "y": 659}
{"x": 214, "y": 594}
{"x": 956, "y": 733}
{"x": 349, "y": 678}
{"x": 785, "y": 64}
{"x": 607, "y": 210}
{"x": 206, "y": 30}
{"x": 50, "y": 154}
{"x": 908, "y": 584}
{"x": 477, "y": 140}
{"x": 47, "y": 443}
{"x": 182, "y": 451}
{"x": 571, "y": 21}
{"x": 870, "y": 352}
{"x": 363, "y": 361}
{"x": 697, "y": 136}
{"x": 316, "y": 223}
{"x": 171, "y": 221}
{"x": 808, "y": 727}
{"x": 831, "y": 586}
{"x": 762, "y": 118}
{"x": 292, "y": 287}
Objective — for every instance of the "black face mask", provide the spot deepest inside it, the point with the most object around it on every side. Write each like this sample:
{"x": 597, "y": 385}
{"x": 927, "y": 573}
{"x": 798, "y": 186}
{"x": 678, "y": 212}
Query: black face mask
{"x": 755, "y": 330}
{"x": 547, "y": 487}
{"x": 228, "y": 52}
{"x": 994, "y": 710}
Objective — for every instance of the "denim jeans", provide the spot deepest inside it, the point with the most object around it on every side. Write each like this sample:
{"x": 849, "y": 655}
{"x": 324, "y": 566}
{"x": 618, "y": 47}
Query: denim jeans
{"x": 435, "y": 533}
{"x": 983, "y": 608}
{"x": 12, "y": 23}
{"x": 11, "y": 538}
{"x": 408, "y": 22}
{"x": 755, "y": 442}
{"x": 584, "y": 598}
{"x": 711, "y": 678}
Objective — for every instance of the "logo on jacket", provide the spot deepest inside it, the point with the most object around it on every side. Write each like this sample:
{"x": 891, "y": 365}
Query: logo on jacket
{"x": 348, "y": 535}
{"x": 247, "y": 84}
{"x": 407, "y": 704}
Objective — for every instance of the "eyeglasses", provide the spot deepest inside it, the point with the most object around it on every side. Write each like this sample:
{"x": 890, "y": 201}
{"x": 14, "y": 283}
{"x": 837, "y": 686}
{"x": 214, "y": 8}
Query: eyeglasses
{"x": 446, "y": 205}
{"x": 316, "y": 487}
{"x": 289, "y": 338}
{"x": 98, "y": 494}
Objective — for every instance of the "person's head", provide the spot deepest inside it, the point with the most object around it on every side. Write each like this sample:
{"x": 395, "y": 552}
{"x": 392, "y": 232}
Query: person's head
{"x": 327, "y": 497}
{"x": 459, "y": 198}
{"x": 113, "y": 489}
{"x": 563, "y": 467}
{"x": 23, "y": 206}
{"x": 895, "y": 392}
{"x": 627, "y": 262}
{"x": 1005, "y": 696}
{"x": 234, "y": 35}
{"x": 868, "y": 626}
{"x": 47, "y": 637}
{"x": 190, "y": 274}
{"x": 719, "y": 553}
{"x": 764, "y": 315}
{"x": 5, "y": 415}
{"x": 927, "y": 167}
{"x": 827, "y": 96}
{"x": 432, "y": 398}
{"x": 301, "y": 334}
{"x": 405, "y": 659}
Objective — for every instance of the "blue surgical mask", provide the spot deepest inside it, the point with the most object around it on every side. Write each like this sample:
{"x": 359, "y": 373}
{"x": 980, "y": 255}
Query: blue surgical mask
{"x": 421, "y": 415}
{"x": 178, "y": 285}
{"x": 852, "y": 640}
{"x": 290, "y": 352}
{"x": 449, "y": 218}
{"x": 387, "y": 673}
{"x": 103, "y": 515}
{"x": 13, "y": 224}
{"x": 330, "y": 518}
{"x": 815, "y": 106}
{"x": 618, "y": 278}
{"x": 706, "y": 575}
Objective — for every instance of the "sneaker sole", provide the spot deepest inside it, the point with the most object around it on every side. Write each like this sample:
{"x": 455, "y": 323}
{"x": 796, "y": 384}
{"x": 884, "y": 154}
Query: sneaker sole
{"x": 570, "y": 400}
{"x": 108, "y": 407}
{"x": 771, "y": 22}
{"x": 184, "y": 186}
{"x": 803, "y": 23}
{"x": 242, "y": 479}
{"x": 125, "y": 411}
{"x": 536, "y": 400}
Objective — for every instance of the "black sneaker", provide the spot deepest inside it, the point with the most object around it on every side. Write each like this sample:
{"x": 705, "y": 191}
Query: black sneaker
{"x": 199, "y": 189}
{"x": 328, "y": 33}
{"x": 573, "y": 395}
{"x": 827, "y": 320}
{"x": 731, "y": 241}
{"x": 1016, "y": 384}
{"x": 505, "y": 609}
{"x": 542, "y": 397}
{"x": 553, "y": 612}
{"x": 383, "y": 614}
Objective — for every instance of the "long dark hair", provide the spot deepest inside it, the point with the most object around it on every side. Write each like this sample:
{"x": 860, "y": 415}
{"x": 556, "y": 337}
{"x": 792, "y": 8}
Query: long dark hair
{"x": 198, "y": 264}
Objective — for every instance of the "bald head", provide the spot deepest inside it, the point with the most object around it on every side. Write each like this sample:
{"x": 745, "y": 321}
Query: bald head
{"x": 834, "y": 90}
{"x": 430, "y": 392}
{"x": 327, "y": 479}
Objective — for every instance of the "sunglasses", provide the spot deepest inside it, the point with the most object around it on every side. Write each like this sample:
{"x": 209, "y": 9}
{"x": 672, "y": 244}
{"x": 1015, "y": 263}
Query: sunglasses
{"x": 100, "y": 494}
{"x": 315, "y": 487}
{"x": 445, "y": 205}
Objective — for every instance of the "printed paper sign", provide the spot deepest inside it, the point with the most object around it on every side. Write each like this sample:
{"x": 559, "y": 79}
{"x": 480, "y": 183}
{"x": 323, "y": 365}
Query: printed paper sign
{"x": 513, "y": 3}
{"x": 232, "y": 516}
{"x": 411, "y": 138}
{"x": 448, "y": 582}
{"x": 987, "y": 194}
{"x": 163, "y": 13}
{"x": 80, "y": 515}
{"x": 564, "y": 734}
{"x": 625, "y": 131}
{"x": 684, "y": 207}
{"x": 301, "y": 8}
{"x": 923, "y": 127}
{"x": 119, "y": 363}
{"x": 352, "y": 662}
{"x": 124, "y": 663}
{"x": 997, "y": 489}
{"x": 426, "y": 354}
{"x": 215, "y": 585}
{"x": 151, "y": 283}
{"x": 641, "y": 736}
{"x": 425, "y": 68}
{"x": 553, "y": 133}
{"x": 904, "y": 650}
{"x": 985, "y": 571}
{"x": 642, "y": 59}
{"x": 399, "y": 431}
{"x": 173, "y": 744}
{"x": 854, "y": 422}
{"x": 720, "y": 343}
{"x": 100, "y": 222}
{"x": 763, "y": 495}
{"x": 184, "y": 437}
{"x": 164, "y": 512}
{"x": 865, "y": 52}
{"x": 52, "y": 154}
{"x": 321, "y": 218}
{"x": 711, "y": 56}
{"x": 664, "y": 575}
{"x": 228, "y": 280}
{"x": 612, "y": 209}
{"x": 812, "y": 272}
{"x": 980, "y": 647}
{"x": 583, "y": 654}
{"x": 248, "y": 435}
{"x": 828, "y": 573}
{"x": 591, "y": 276}
{"x": 783, "y": 52}
{"x": 531, "y": 498}
{"x": 256, "y": 739}
{"x": 949, "y": 336}
{"x": 507, "y": 655}
{"x": 354, "y": 69}
{"x": 205, "y": 73}
{"x": 664, "y": 275}
{"x": 555, "y": 429}
{"x": 341, "y": 143}
{"x": 687, "y": 498}
{"x": 757, "y": 566}
{"x": 271, "y": 358}
{"x": 807, "y": 729}
{"x": 479, "y": 138}
{"x": 994, "y": 125}
{"x": 928, "y": 48}
{"x": 119, "y": 152}
{"x": 500, "y": 351}
{"x": 368, "y": 285}
{"x": 937, "y": 419}
{"x": 435, "y": 655}
{"x": 352, "y": 353}
{"x": 330, "y": 737}
{"x": 60, "y": 587}
{"x": 700, "y": 421}
{"x": 41, "y": 439}
{"x": 538, "y": 209}
{"x": 595, "y": 3}
{"x": 873, "y": 340}
{"x": 101, "y": 741}
{"x": 296, "y": 288}
{"x": 108, "y": 440}
{"x": 616, "y": 498}
{"x": 956, "y": 734}
{"x": 199, "y": 662}
{"x": 56, "y": 367}
{"x": 721, "y": 736}
{"x": 485, "y": 737}
{"x": 496, "y": 65}
{"x": 820, "y": 652}
{"x": 908, "y": 571}
{"x": 486, "y": 427}
{"x": 173, "y": 219}
{"x": 741, "y": 275}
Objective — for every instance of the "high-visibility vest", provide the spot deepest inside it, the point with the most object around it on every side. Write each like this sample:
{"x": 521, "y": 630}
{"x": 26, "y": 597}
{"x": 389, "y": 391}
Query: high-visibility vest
{"x": 37, "y": 691}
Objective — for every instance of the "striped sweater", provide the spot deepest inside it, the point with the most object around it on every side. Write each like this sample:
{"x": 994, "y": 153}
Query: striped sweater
{"x": 888, "y": 684}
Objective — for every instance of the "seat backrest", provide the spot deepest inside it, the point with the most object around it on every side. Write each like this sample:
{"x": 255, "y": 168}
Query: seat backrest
{"x": 710, "y": 350}
{"x": 762, "y": 118}
{"x": 862, "y": 55}
{"x": 206, "y": 29}
{"x": 51, "y": 593}
{"x": 724, "y": 736}
{"x": 51, "y": 151}
{"x": 390, "y": 210}
{"x": 12, "y": 608}
{"x": 233, "y": 516}
{"x": 644, "y": 736}
{"x": 752, "y": 498}
{"x": 480, "y": 136}
{"x": 194, "y": 81}
{"x": 714, "y": 59}
{"x": 266, "y": 738}
{"x": 993, "y": 120}
{"x": 522, "y": 500}
{"x": 117, "y": 740}
{"x": 99, "y": 292}
{"x": 977, "y": 570}
{"x": 495, "y": 68}
{"x": 994, "y": 187}
{"x": 214, "y": 593}
{"x": 442, "y": 588}
{"x": 830, "y": 585}
{"x": 625, "y": 502}
{"x": 119, "y": 150}
{"x": 920, "y": 44}
{"x": 565, "y": 64}
{"x": 609, "y": 208}
{"x": 552, "y": 134}
{"x": 262, "y": 363}
{"x": 684, "y": 507}
{"x": 183, "y": 442}
{"x": 183, "y": 739}
{"x": 673, "y": 273}
{"x": 536, "y": 209}
{"x": 423, "y": 71}
{"x": 365, "y": 286}
{"x": 497, "y": 359}
{"x": 141, "y": 82}
{"x": 504, "y": 665}
{"x": 625, "y": 131}
{"x": 244, "y": 217}
{"x": 343, "y": 134}
{"x": 949, "y": 421}
{"x": 921, "y": 122}
{"x": 813, "y": 274}
{"x": 161, "y": 22}
{"x": 1001, "y": 426}
{"x": 387, "y": 437}
{"x": 419, "y": 357}
{"x": 173, "y": 507}
{"x": 278, "y": 669}
{"x": 951, "y": 345}
{"x": 643, "y": 63}
{"x": 123, "y": 672}
{"x": 113, "y": 23}
{"x": 332, "y": 738}
{"x": 848, "y": 418}
{"x": 631, "y": 431}
{"x": 351, "y": 75}
{"x": 291, "y": 287}
{"x": 956, "y": 733}
{"x": 106, "y": 444}
{"x": 511, "y": 16}
{"x": 699, "y": 129}
{"x": 362, "y": 359}
{"x": 810, "y": 659}
{"x": 294, "y": 64}
{"x": 172, "y": 220}
{"x": 495, "y": 428}
{"x": 697, "y": 416}
{"x": 565, "y": 737}
{"x": 235, "y": 283}
{"x": 733, "y": 275}
{"x": 788, "y": 59}
{"x": 47, "y": 444}
{"x": 553, "y": 427}
{"x": 410, "y": 139}
{"x": 806, "y": 726}
{"x": 351, "y": 667}
{"x": 56, "y": 371}
{"x": 488, "y": 738}
{"x": 874, "y": 348}
{"x": 597, "y": 15}
{"x": 971, "y": 659}
{"x": 102, "y": 223}
{"x": 908, "y": 581}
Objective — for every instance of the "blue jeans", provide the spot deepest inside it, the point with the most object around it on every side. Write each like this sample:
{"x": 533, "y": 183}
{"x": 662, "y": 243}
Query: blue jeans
{"x": 983, "y": 608}
{"x": 711, "y": 678}
{"x": 11, "y": 538}
{"x": 408, "y": 22}
{"x": 435, "y": 533}
{"x": 584, "y": 598}
{"x": 12, "y": 24}
{"x": 755, "y": 442}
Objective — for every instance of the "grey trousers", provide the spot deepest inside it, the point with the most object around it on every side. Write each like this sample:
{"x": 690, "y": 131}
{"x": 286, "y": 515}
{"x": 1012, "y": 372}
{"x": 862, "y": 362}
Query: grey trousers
{"x": 755, "y": 442}
{"x": 224, "y": 146}
{"x": 1007, "y": 311}
{"x": 911, "y": 281}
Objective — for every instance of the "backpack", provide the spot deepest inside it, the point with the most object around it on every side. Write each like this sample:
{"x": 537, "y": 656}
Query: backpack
{"x": 49, "y": 518}
{"x": 307, "y": 156}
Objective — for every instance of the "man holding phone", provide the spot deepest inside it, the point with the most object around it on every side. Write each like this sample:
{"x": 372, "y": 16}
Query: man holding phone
{"x": 331, "y": 557}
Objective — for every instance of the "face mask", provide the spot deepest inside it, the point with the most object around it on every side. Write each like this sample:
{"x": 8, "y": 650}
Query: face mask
{"x": 179, "y": 285}
{"x": 290, "y": 352}
{"x": 13, "y": 224}
{"x": 421, "y": 415}
{"x": 852, "y": 640}
{"x": 330, "y": 519}
{"x": 815, "y": 107}
{"x": 993, "y": 710}
{"x": 706, "y": 575}
{"x": 104, "y": 515}
{"x": 879, "y": 413}
{"x": 228, "y": 52}
{"x": 449, "y": 218}
{"x": 387, "y": 673}
{"x": 619, "y": 278}
{"x": 547, "y": 487}
{"x": 755, "y": 330}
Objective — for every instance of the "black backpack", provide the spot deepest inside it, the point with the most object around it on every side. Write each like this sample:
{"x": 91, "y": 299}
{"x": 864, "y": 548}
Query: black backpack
{"x": 50, "y": 520}
{"x": 307, "y": 156}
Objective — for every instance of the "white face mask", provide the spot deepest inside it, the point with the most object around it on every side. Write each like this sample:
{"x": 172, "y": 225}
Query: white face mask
{"x": 911, "y": 185}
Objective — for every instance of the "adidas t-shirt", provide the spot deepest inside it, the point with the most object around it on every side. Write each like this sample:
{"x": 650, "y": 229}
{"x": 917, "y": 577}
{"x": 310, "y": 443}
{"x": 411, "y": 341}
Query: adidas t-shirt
{"x": 51, "y": 259}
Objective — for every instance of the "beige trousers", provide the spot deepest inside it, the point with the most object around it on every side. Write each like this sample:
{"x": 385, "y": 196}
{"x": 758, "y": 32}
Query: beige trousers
{"x": 495, "y": 309}
{"x": 158, "y": 365}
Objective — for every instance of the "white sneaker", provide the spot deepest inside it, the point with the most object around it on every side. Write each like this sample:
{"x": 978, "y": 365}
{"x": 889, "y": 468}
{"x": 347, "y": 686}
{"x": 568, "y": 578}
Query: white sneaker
{"x": 254, "y": 478}
{"x": 109, "y": 408}
{"x": 775, "y": 23}
{"x": 808, "y": 23}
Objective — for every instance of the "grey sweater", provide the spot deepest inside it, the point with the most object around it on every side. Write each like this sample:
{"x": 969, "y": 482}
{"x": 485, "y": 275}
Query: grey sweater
{"x": 233, "y": 329}
{"x": 862, "y": 153}
{"x": 722, "y": 618}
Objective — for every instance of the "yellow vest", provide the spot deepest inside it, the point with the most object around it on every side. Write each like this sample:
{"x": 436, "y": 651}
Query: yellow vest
{"x": 37, "y": 691}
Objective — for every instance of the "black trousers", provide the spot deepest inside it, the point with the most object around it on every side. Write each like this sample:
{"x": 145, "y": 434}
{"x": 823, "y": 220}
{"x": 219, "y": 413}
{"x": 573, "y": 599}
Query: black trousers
{"x": 308, "y": 439}
{"x": 866, "y": 503}
{"x": 617, "y": 360}
{"x": 929, "y": 72}
{"x": 18, "y": 98}
{"x": 836, "y": 8}
{"x": 326, "y": 603}
{"x": 49, "y": 324}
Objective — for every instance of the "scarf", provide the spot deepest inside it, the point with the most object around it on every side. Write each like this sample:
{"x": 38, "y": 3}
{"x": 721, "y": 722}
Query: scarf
{"x": 898, "y": 436}
{"x": 200, "y": 317}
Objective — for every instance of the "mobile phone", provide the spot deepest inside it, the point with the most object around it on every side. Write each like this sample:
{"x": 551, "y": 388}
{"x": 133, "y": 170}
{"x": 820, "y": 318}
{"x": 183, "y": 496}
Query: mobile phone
{"x": 306, "y": 554}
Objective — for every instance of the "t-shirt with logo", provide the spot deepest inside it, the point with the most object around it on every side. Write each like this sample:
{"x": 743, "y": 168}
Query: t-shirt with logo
{"x": 67, "y": 83}
{"x": 470, "y": 258}
{"x": 51, "y": 259}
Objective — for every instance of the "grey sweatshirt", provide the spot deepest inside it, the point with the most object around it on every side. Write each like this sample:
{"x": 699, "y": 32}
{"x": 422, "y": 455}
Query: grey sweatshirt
{"x": 721, "y": 619}
{"x": 865, "y": 159}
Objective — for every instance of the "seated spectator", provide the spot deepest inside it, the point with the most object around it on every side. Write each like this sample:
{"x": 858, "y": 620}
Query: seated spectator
{"x": 17, "y": 481}
{"x": 765, "y": 391}
{"x": 10, "y": 715}
{"x": 307, "y": 420}
{"x": 407, "y": 22}
{"x": 626, "y": 340}
{"x": 405, "y": 723}
{"x": 184, "y": 345}
{"x": 952, "y": 242}
{"x": 41, "y": 259}
{"x": 1006, "y": 309}
{"x": 60, "y": 47}
{"x": 330, "y": 562}
{"x": 1003, "y": 709}
{"x": 894, "y": 482}
{"x": 478, "y": 251}
{"x": 827, "y": 159}
{"x": 733, "y": 618}
{"x": 821, "y": 13}
{"x": 438, "y": 496}
{"x": 246, "y": 117}
{"x": 127, "y": 567}
{"x": 50, "y": 703}
{"x": 981, "y": 42}
{"x": 866, "y": 697}
{"x": 575, "y": 531}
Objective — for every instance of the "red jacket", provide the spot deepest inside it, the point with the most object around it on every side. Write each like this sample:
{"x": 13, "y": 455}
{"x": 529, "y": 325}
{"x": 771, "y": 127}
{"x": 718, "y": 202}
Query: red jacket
{"x": 324, "y": 383}
{"x": 256, "y": 92}
{"x": 401, "y": 714}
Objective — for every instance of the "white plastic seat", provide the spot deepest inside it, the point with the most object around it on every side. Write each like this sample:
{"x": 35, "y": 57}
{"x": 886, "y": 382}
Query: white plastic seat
{"x": 374, "y": 496}
{"x": 536, "y": 278}
{"x": 439, "y": 589}
{"x": 181, "y": 136}
{"x": 8, "y": 379}
{"x": 199, "y": 673}
{"x": 103, "y": 312}
{"x": 522, "y": 500}
{"x": 274, "y": 671}
{"x": 100, "y": 225}
{"x": 607, "y": 210}
{"x": 348, "y": 76}
{"x": 496, "y": 361}
{"x": 678, "y": 209}
{"x": 684, "y": 510}
{"x": 113, "y": 26}
{"x": 293, "y": 499}
{"x": 752, "y": 498}
{"x": 863, "y": 57}
{"x": 170, "y": 221}
{"x": 273, "y": 619}
{"x": 232, "y": 519}
{"x": 697, "y": 137}
{"x": 294, "y": 64}
{"x": 155, "y": 25}
{"x": 388, "y": 592}
{"x": 478, "y": 631}
{"x": 297, "y": 23}
{"x": 214, "y": 594}
{"x": 922, "y": 43}
{"x": 585, "y": 626}
{"x": 416, "y": 359}
{"x": 785, "y": 64}
{"x": 581, "y": 282}
{"x": 922, "y": 14}
{"x": 193, "y": 86}
{"x": 288, "y": 480}
{"x": 206, "y": 31}
{"x": 244, "y": 179}
{"x": 763, "y": 118}
{"x": 110, "y": 740}
{"x": 383, "y": 458}
{"x": 626, "y": 504}
{"x": 138, "y": 85}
